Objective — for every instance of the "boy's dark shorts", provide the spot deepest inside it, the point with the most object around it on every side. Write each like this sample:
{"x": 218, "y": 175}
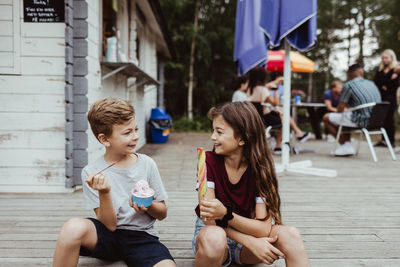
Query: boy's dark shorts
{"x": 136, "y": 248}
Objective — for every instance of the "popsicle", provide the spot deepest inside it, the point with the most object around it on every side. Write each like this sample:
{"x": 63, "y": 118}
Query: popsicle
{"x": 201, "y": 171}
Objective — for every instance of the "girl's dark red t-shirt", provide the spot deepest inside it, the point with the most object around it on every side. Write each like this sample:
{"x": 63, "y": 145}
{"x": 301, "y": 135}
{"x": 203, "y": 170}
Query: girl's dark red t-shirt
{"x": 242, "y": 194}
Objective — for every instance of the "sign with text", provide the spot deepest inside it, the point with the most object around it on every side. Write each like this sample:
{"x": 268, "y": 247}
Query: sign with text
{"x": 44, "y": 11}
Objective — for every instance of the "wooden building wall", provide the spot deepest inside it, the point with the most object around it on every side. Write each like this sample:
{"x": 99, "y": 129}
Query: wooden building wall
{"x": 32, "y": 116}
{"x": 33, "y": 91}
{"x": 143, "y": 98}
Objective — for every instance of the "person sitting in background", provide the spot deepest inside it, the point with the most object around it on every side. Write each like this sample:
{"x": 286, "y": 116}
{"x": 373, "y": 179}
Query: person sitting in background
{"x": 331, "y": 100}
{"x": 258, "y": 92}
{"x": 331, "y": 96}
{"x": 276, "y": 85}
{"x": 239, "y": 84}
{"x": 356, "y": 91}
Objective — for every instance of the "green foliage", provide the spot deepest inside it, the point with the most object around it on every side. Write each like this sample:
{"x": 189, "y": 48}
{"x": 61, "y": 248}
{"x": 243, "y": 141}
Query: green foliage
{"x": 330, "y": 17}
{"x": 214, "y": 64}
{"x": 338, "y": 22}
{"x": 198, "y": 124}
{"x": 387, "y": 27}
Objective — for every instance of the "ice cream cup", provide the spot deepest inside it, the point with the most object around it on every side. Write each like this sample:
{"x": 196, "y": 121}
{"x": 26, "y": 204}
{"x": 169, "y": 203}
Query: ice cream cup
{"x": 145, "y": 201}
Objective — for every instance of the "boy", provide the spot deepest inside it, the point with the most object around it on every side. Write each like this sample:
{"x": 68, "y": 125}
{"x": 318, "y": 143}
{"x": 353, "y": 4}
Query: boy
{"x": 122, "y": 230}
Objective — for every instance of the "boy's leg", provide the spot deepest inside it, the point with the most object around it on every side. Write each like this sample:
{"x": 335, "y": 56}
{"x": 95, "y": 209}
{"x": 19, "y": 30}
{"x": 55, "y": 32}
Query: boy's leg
{"x": 211, "y": 247}
{"x": 329, "y": 125}
{"x": 289, "y": 242}
{"x": 76, "y": 232}
{"x": 139, "y": 248}
{"x": 165, "y": 263}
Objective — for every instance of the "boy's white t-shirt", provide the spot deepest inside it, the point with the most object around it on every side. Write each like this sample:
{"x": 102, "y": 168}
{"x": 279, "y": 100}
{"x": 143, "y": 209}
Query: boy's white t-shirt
{"x": 122, "y": 182}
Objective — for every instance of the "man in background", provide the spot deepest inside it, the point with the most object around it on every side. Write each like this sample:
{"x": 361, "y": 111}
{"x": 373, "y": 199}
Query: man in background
{"x": 356, "y": 91}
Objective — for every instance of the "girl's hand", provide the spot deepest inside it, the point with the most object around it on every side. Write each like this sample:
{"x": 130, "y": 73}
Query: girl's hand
{"x": 263, "y": 249}
{"x": 394, "y": 76}
{"x": 98, "y": 182}
{"x": 212, "y": 209}
{"x": 134, "y": 205}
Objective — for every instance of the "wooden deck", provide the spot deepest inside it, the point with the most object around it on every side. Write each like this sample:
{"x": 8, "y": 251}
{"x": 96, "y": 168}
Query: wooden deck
{"x": 350, "y": 220}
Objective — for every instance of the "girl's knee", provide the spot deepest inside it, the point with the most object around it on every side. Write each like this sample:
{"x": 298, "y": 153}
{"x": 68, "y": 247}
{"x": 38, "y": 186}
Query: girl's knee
{"x": 211, "y": 242}
{"x": 290, "y": 237}
{"x": 293, "y": 233}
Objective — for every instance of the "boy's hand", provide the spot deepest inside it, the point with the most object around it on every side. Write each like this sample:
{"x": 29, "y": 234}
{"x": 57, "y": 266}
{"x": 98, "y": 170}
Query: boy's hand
{"x": 98, "y": 182}
{"x": 141, "y": 208}
{"x": 263, "y": 249}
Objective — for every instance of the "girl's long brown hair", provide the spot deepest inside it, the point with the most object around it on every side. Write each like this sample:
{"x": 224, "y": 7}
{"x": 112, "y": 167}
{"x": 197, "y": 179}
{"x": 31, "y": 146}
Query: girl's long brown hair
{"x": 247, "y": 125}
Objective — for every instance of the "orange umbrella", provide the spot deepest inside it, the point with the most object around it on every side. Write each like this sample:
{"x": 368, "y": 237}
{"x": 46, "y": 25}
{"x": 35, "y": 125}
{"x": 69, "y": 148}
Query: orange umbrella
{"x": 298, "y": 62}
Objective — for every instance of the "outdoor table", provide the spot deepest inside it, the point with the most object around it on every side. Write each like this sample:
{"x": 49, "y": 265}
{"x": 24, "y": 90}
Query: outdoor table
{"x": 314, "y": 123}
{"x": 311, "y": 108}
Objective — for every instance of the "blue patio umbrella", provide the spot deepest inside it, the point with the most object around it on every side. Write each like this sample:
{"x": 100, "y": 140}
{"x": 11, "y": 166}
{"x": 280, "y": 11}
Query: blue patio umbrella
{"x": 262, "y": 23}
{"x": 250, "y": 41}
{"x": 294, "y": 23}
{"x": 291, "y": 19}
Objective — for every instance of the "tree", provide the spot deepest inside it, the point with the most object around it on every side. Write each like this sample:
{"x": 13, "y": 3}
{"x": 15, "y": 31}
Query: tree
{"x": 342, "y": 25}
{"x": 191, "y": 66}
{"x": 340, "y": 22}
{"x": 364, "y": 14}
{"x": 213, "y": 56}
{"x": 387, "y": 27}
{"x": 330, "y": 20}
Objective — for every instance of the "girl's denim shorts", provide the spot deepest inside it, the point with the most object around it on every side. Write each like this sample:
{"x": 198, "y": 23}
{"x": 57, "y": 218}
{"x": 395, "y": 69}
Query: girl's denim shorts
{"x": 234, "y": 248}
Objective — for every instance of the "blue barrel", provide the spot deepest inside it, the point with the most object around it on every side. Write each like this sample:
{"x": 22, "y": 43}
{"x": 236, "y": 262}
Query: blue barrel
{"x": 160, "y": 123}
{"x": 159, "y": 136}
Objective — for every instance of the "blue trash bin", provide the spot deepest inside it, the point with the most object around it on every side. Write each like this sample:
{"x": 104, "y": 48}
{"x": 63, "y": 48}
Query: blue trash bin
{"x": 160, "y": 124}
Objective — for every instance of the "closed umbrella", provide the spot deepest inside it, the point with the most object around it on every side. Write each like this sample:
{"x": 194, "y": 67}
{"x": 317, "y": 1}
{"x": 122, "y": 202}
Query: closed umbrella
{"x": 294, "y": 23}
{"x": 292, "y": 20}
{"x": 250, "y": 41}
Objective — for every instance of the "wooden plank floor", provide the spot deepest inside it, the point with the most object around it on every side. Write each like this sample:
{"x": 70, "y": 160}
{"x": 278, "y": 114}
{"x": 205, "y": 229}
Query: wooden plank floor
{"x": 350, "y": 220}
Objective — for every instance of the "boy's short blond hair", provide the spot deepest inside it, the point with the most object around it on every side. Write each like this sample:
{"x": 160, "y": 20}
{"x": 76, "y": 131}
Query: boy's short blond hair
{"x": 107, "y": 112}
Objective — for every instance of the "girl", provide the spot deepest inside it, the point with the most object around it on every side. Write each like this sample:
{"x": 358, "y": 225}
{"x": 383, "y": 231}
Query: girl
{"x": 387, "y": 81}
{"x": 239, "y": 219}
{"x": 258, "y": 92}
{"x": 239, "y": 85}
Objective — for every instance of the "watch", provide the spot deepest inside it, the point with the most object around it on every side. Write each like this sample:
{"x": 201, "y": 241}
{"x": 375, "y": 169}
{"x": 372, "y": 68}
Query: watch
{"x": 227, "y": 217}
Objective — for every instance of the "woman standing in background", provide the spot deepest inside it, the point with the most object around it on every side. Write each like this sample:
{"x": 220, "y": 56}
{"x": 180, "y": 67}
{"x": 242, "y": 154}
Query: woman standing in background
{"x": 387, "y": 81}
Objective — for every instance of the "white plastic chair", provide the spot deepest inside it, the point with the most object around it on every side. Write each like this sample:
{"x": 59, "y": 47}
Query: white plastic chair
{"x": 374, "y": 127}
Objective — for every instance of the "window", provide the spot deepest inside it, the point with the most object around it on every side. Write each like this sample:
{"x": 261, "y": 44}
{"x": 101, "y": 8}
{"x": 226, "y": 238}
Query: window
{"x": 116, "y": 30}
{"x": 110, "y": 9}
{"x": 10, "y": 38}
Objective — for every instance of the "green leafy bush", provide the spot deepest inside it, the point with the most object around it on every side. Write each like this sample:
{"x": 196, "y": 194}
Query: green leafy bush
{"x": 198, "y": 124}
